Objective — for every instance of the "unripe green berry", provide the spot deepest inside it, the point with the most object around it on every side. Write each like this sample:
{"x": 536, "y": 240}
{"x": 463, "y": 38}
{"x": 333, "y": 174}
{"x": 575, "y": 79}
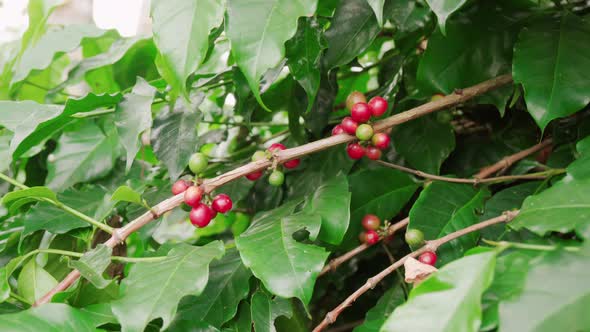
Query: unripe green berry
{"x": 198, "y": 163}
{"x": 276, "y": 178}
{"x": 259, "y": 155}
{"x": 414, "y": 237}
{"x": 364, "y": 132}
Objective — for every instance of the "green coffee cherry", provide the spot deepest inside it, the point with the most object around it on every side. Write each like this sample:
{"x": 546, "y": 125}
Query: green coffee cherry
{"x": 276, "y": 178}
{"x": 414, "y": 237}
{"x": 198, "y": 163}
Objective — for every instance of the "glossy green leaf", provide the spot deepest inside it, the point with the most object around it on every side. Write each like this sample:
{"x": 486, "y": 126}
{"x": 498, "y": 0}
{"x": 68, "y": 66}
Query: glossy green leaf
{"x": 424, "y": 142}
{"x": 450, "y": 298}
{"x": 549, "y": 62}
{"x": 52, "y": 44}
{"x": 353, "y": 28}
{"x": 5, "y": 137}
{"x": 407, "y": 16}
{"x": 34, "y": 281}
{"x": 153, "y": 289}
{"x": 82, "y": 155}
{"x": 555, "y": 295}
{"x": 259, "y": 47}
{"x": 126, "y": 194}
{"x": 443, "y": 208}
{"x": 578, "y": 169}
{"x": 443, "y": 9}
{"x": 178, "y": 130}
{"x": 377, "y": 6}
{"x": 181, "y": 33}
{"x": 227, "y": 286}
{"x": 92, "y": 265}
{"x": 15, "y": 199}
{"x": 4, "y": 285}
{"x": 287, "y": 268}
{"x": 264, "y": 311}
{"x": 377, "y": 315}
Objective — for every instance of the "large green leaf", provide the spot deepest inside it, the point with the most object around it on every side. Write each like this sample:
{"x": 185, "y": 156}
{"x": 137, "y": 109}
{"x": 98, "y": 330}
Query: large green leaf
{"x": 377, "y": 315}
{"x": 54, "y": 317}
{"x": 92, "y": 265}
{"x": 133, "y": 116}
{"x": 443, "y": 208}
{"x": 450, "y": 298}
{"x": 443, "y": 9}
{"x": 259, "y": 47}
{"x": 174, "y": 139}
{"x": 553, "y": 67}
{"x": 227, "y": 286}
{"x": 34, "y": 281}
{"x": 425, "y": 142}
{"x": 153, "y": 289}
{"x": 243, "y": 321}
{"x": 181, "y": 33}
{"x": 555, "y": 295}
{"x": 82, "y": 155}
{"x": 5, "y": 137}
{"x": 286, "y": 267}
{"x": 264, "y": 311}
{"x": 353, "y": 28}
{"x": 15, "y": 199}
{"x": 52, "y": 44}
{"x": 377, "y": 6}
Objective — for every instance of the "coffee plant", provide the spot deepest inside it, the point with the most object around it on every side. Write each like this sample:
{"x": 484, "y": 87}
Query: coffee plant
{"x": 299, "y": 165}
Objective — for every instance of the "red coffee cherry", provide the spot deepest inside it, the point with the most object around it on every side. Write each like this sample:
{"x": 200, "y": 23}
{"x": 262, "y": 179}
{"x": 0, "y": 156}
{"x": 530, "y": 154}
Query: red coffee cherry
{"x": 371, "y": 222}
{"x": 355, "y": 151}
{"x": 378, "y": 106}
{"x": 276, "y": 146}
{"x": 372, "y": 237}
{"x": 221, "y": 203}
{"x": 193, "y": 195}
{"x": 380, "y": 140}
{"x": 373, "y": 153}
{"x": 349, "y": 125}
{"x": 254, "y": 176}
{"x": 292, "y": 163}
{"x": 428, "y": 257}
{"x": 337, "y": 130}
{"x": 180, "y": 186}
{"x": 201, "y": 215}
{"x": 360, "y": 112}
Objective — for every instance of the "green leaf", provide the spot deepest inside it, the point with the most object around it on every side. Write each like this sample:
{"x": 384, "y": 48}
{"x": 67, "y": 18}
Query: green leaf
{"x": 407, "y": 16}
{"x": 303, "y": 56}
{"x": 34, "y": 281}
{"x": 264, "y": 311}
{"x": 425, "y": 142}
{"x": 51, "y": 45}
{"x": 579, "y": 168}
{"x": 92, "y": 265}
{"x": 174, "y": 139}
{"x": 127, "y": 194}
{"x": 547, "y": 62}
{"x": 53, "y": 317}
{"x": 243, "y": 321}
{"x": 443, "y": 208}
{"x": 15, "y": 199}
{"x": 377, "y": 6}
{"x": 133, "y": 116}
{"x": 259, "y": 47}
{"x": 443, "y": 9}
{"x": 377, "y": 315}
{"x": 227, "y": 286}
{"x": 153, "y": 289}
{"x": 353, "y": 28}
{"x": 82, "y": 155}
{"x": 181, "y": 33}
{"x": 450, "y": 298}
{"x": 555, "y": 296}
{"x": 4, "y": 285}
{"x": 286, "y": 267}
{"x": 5, "y": 137}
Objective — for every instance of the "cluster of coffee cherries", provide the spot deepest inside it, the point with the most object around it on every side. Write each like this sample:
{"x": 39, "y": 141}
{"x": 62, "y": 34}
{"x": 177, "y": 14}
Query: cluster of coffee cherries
{"x": 372, "y": 224}
{"x": 201, "y": 214}
{"x": 415, "y": 238}
{"x": 356, "y": 124}
{"x": 276, "y": 177}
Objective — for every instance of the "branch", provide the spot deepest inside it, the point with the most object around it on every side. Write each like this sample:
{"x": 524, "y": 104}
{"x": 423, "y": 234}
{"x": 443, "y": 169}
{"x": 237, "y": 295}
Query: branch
{"x": 508, "y": 161}
{"x": 430, "y": 246}
{"x": 119, "y": 235}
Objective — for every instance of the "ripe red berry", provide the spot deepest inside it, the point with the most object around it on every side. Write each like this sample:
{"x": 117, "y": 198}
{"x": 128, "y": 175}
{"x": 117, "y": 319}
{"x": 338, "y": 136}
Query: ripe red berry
{"x": 378, "y": 106}
{"x": 337, "y": 130}
{"x": 360, "y": 112}
{"x": 354, "y": 98}
{"x": 292, "y": 163}
{"x": 201, "y": 215}
{"x": 254, "y": 176}
{"x": 371, "y": 222}
{"x": 373, "y": 153}
{"x": 192, "y": 196}
{"x": 355, "y": 151}
{"x": 349, "y": 125}
{"x": 180, "y": 186}
{"x": 276, "y": 146}
{"x": 372, "y": 237}
{"x": 380, "y": 140}
{"x": 221, "y": 203}
{"x": 428, "y": 257}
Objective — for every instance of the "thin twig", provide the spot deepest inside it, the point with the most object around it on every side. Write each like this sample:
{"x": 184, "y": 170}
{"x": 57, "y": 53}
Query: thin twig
{"x": 209, "y": 185}
{"x": 430, "y": 246}
{"x": 528, "y": 246}
{"x": 508, "y": 161}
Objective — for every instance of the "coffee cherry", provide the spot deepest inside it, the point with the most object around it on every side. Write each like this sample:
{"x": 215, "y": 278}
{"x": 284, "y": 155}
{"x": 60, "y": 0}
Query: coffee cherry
{"x": 254, "y": 176}
{"x": 363, "y": 237}
{"x": 349, "y": 125}
{"x": 292, "y": 163}
{"x": 193, "y": 195}
{"x": 198, "y": 162}
{"x": 354, "y": 98}
{"x": 371, "y": 222}
{"x": 378, "y": 106}
{"x": 355, "y": 151}
{"x": 380, "y": 140}
{"x": 414, "y": 237}
{"x": 337, "y": 130}
{"x": 436, "y": 97}
{"x": 201, "y": 215}
{"x": 180, "y": 186}
{"x": 373, "y": 153}
{"x": 372, "y": 237}
{"x": 221, "y": 203}
{"x": 259, "y": 155}
{"x": 276, "y": 178}
{"x": 428, "y": 257}
{"x": 364, "y": 132}
{"x": 360, "y": 113}
{"x": 276, "y": 146}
